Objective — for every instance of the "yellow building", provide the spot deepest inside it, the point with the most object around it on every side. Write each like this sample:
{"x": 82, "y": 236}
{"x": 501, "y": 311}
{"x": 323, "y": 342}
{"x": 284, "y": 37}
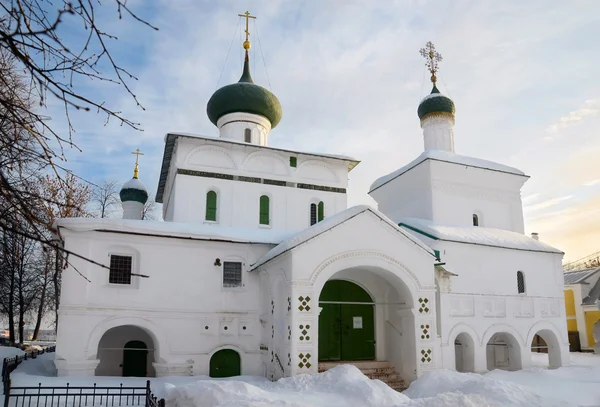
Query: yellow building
{"x": 582, "y": 296}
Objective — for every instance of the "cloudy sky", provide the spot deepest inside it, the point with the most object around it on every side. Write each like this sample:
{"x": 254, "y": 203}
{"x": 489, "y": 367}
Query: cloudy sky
{"x": 523, "y": 75}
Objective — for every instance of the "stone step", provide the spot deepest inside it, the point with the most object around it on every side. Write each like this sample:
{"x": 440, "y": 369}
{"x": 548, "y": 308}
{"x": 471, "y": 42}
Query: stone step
{"x": 366, "y": 364}
{"x": 383, "y": 377}
{"x": 380, "y": 370}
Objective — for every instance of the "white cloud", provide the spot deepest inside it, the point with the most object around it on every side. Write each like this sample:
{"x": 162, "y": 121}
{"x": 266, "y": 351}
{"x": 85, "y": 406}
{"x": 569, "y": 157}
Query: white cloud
{"x": 588, "y": 109}
{"x": 547, "y": 204}
{"x": 592, "y": 183}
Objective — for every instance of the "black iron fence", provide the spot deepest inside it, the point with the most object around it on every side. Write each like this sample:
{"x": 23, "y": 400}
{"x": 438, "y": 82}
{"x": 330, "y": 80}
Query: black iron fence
{"x": 10, "y": 364}
{"x": 69, "y": 396}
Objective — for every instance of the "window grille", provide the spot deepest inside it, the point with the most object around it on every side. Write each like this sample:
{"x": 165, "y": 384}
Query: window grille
{"x": 120, "y": 269}
{"x": 520, "y": 282}
{"x": 232, "y": 274}
{"x": 248, "y": 136}
{"x": 313, "y": 214}
{"x": 475, "y": 220}
{"x": 211, "y": 206}
{"x": 264, "y": 210}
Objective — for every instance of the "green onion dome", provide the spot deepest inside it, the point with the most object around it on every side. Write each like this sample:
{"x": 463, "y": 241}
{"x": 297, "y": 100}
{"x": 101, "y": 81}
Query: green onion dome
{"x": 134, "y": 190}
{"x": 244, "y": 97}
{"x": 435, "y": 102}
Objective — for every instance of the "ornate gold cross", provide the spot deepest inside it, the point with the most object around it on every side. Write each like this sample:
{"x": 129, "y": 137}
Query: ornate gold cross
{"x": 247, "y": 16}
{"x": 136, "y": 171}
{"x": 432, "y": 58}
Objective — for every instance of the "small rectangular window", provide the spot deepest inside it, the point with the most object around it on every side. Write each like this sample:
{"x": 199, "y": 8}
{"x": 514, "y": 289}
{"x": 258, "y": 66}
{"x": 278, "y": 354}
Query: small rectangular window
{"x": 232, "y": 274}
{"x": 248, "y": 136}
{"x": 293, "y": 162}
{"x": 120, "y": 269}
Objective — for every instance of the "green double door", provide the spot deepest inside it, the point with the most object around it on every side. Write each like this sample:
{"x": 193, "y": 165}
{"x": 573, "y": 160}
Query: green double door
{"x": 225, "y": 363}
{"x": 346, "y": 322}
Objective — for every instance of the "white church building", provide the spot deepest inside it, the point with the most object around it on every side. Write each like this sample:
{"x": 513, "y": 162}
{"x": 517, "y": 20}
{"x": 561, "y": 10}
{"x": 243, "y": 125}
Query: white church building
{"x": 260, "y": 268}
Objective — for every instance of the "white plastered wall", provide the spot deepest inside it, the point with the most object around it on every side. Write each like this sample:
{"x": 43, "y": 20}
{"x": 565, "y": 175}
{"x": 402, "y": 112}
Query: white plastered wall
{"x": 181, "y": 305}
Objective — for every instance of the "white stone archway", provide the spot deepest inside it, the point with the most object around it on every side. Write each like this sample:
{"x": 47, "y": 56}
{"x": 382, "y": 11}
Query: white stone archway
{"x": 557, "y": 346}
{"x": 463, "y": 344}
{"x": 402, "y": 307}
{"x": 121, "y": 343}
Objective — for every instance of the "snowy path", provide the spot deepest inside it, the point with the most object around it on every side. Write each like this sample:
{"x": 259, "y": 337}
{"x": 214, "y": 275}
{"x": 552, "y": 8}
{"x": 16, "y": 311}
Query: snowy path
{"x": 575, "y": 385}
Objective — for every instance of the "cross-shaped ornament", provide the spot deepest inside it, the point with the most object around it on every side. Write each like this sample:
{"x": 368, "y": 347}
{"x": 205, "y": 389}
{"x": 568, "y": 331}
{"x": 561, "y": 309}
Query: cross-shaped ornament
{"x": 432, "y": 58}
{"x": 136, "y": 171}
{"x": 247, "y": 16}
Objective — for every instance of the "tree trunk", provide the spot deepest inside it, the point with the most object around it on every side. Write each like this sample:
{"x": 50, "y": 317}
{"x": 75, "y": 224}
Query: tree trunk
{"x": 56, "y": 282}
{"x": 40, "y": 313}
{"x": 21, "y": 299}
{"x": 11, "y": 309}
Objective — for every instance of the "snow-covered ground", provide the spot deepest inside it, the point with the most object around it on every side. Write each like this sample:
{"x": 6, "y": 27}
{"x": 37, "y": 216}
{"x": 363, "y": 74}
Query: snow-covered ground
{"x": 575, "y": 385}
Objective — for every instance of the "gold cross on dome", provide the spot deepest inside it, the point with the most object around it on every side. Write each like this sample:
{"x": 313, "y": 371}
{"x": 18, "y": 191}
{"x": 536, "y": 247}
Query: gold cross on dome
{"x": 136, "y": 171}
{"x": 432, "y": 58}
{"x": 247, "y": 16}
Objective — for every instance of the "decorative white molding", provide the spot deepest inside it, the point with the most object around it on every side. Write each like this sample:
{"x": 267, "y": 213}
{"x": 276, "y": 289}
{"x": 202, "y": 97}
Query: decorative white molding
{"x": 494, "y": 307}
{"x": 462, "y": 306}
{"x": 312, "y": 168}
{"x": 523, "y": 308}
{"x": 468, "y": 191}
{"x": 210, "y": 155}
{"x": 366, "y": 254}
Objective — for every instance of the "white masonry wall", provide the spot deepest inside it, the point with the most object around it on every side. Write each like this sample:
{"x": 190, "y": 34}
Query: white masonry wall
{"x": 182, "y": 305}
{"x": 449, "y": 194}
{"x": 483, "y": 298}
{"x": 238, "y": 201}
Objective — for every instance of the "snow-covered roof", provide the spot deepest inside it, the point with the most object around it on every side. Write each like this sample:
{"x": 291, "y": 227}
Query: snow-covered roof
{"x": 134, "y": 183}
{"x": 170, "y": 143}
{"x": 476, "y": 235}
{"x": 193, "y": 231}
{"x": 580, "y": 276}
{"x": 594, "y": 295}
{"x": 328, "y": 224}
{"x": 446, "y": 156}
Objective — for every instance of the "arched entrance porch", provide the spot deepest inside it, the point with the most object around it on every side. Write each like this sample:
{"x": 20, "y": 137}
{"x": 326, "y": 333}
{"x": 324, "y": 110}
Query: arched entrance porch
{"x": 367, "y": 313}
{"x": 126, "y": 350}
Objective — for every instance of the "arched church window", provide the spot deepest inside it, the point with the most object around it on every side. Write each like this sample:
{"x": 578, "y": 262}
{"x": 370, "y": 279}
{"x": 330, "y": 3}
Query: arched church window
{"x": 264, "y": 210}
{"x": 475, "y": 220}
{"x": 317, "y": 212}
{"x": 520, "y": 282}
{"x": 211, "y": 206}
{"x": 248, "y": 136}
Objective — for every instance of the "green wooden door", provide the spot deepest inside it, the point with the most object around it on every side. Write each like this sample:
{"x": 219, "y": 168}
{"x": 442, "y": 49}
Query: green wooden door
{"x": 135, "y": 359}
{"x": 225, "y": 363}
{"x": 330, "y": 339}
{"x": 346, "y": 329}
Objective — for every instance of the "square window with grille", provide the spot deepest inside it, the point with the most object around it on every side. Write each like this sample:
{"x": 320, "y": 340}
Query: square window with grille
{"x": 232, "y": 274}
{"x": 120, "y": 269}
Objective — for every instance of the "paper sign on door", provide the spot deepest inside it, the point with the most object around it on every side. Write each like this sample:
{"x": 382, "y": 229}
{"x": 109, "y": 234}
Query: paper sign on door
{"x": 357, "y": 322}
